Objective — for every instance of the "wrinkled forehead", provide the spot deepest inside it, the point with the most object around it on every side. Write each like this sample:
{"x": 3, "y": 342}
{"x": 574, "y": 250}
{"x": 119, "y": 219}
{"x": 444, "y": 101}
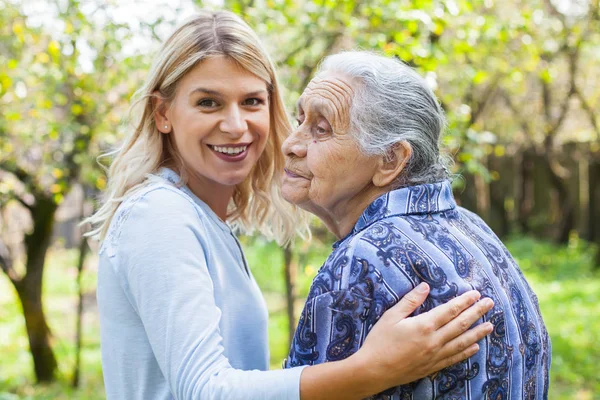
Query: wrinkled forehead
{"x": 331, "y": 93}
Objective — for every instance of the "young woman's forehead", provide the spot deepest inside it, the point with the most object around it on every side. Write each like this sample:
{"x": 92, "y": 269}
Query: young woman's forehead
{"x": 219, "y": 73}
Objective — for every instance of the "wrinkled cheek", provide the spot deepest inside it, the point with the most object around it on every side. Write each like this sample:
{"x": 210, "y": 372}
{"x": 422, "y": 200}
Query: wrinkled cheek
{"x": 318, "y": 191}
{"x": 294, "y": 193}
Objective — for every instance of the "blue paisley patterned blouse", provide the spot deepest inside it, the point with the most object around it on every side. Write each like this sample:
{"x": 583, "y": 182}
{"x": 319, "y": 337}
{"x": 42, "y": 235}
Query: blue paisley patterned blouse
{"x": 419, "y": 234}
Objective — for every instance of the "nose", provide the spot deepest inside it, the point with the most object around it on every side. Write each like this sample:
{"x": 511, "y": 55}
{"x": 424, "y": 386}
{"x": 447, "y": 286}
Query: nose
{"x": 294, "y": 145}
{"x": 234, "y": 122}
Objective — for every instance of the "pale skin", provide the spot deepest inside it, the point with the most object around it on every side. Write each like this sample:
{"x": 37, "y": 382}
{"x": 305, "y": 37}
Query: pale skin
{"x": 219, "y": 104}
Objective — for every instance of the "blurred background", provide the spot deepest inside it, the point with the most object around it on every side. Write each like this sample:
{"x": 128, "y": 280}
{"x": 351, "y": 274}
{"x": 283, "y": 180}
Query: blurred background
{"x": 519, "y": 80}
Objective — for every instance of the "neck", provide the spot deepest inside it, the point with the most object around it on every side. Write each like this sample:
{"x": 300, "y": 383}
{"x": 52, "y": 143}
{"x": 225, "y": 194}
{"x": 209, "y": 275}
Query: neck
{"x": 341, "y": 218}
{"x": 215, "y": 195}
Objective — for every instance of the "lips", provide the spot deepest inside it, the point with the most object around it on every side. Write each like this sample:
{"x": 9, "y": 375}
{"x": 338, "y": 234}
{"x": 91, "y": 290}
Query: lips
{"x": 230, "y": 152}
{"x": 293, "y": 174}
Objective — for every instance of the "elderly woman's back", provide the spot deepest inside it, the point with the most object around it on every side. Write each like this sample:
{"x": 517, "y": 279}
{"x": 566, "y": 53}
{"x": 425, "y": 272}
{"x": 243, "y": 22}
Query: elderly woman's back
{"x": 365, "y": 159}
{"x": 418, "y": 234}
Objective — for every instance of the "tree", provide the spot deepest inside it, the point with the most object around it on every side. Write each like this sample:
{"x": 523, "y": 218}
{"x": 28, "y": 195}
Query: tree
{"x": 560, "y": 45}
{"x": 490, "y": 62}
{"x": 61, "y": 93}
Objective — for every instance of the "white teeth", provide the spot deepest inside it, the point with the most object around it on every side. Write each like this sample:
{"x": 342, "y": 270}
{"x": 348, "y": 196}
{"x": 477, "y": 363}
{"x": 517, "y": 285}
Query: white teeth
{"x": 230, "y": 150}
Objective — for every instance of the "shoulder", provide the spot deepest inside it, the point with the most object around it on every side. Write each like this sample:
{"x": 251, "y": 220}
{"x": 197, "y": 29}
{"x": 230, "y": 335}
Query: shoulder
{"x": 468, "y": 213}
{"x": 363, "y": 259}
{"x": 159, "y": 195}
{"x": 474, "y": 220}
{"x": 382, "y": 234}
{"x": 154, "y": 210}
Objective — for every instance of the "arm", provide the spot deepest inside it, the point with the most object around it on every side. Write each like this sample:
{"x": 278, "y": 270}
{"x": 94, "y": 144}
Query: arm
{"x": 400, "y": 349}
{"x": 166, "y": 278}
{"x": 334, "y": 324}
{"x": 161, "y": 262}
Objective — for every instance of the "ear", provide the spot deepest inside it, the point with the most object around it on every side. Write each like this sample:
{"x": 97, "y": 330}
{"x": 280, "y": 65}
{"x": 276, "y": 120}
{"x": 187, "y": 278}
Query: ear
{"x": 392, "y": 164}
{"x": 161, "y": 118}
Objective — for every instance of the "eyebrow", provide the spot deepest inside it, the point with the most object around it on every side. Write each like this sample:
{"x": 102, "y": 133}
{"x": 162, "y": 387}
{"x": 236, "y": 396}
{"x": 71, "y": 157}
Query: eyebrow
{"x": 217, "y": 93}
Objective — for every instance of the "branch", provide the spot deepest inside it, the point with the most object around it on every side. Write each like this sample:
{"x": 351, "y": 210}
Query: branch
{"x": 6, "y": 264}
{"x": 522, "y": 121}
{"x": 302, "y": 45}
{"x": 17, "y": 171}
{"x": 309, "y": 69}
{"x": 553, "y": 126}
{"x": 26, "y": 178}
{"x": 589, "y": 111}
{"x": 554, "y": 11}
{"x": 23, "y": 203}
{"x": 489, "y": 93}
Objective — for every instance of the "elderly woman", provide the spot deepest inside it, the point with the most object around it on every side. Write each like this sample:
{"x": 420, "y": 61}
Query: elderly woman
{"x": 365, "y": 159}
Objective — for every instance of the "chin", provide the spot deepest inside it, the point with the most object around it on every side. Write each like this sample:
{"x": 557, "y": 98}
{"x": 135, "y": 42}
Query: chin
{"x": 234, "y": 181}
{"x": 235, "y": 178}
{"x": 293, "y": 196}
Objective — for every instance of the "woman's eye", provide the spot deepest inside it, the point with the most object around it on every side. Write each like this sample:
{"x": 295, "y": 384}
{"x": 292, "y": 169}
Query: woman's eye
{"x": 253, "y": 102}
{"x": 320, "y": 130}
{"x": 207, "y": 103}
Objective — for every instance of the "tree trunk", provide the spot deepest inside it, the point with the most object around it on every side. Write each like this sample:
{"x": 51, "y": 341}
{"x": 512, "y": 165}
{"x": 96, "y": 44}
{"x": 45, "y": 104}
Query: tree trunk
{"x": 594, "y": 211}
{"x": 290, "y": 291}
{"x": 83, "y": 251}
{"x": 565, "y": 204}
{"x": 525, "y": 196}
{"x": 29, "y": 290}
{"x": 584, "y": 195}
{"x": 592, "y": 231}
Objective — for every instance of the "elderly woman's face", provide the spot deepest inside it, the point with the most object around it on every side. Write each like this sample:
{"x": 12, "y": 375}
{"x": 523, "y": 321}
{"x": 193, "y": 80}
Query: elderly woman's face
{"x": 325, "y": 169}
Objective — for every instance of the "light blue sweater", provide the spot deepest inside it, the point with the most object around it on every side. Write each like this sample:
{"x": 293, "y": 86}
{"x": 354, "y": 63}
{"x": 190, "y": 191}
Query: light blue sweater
{"x": 181, "y": 316}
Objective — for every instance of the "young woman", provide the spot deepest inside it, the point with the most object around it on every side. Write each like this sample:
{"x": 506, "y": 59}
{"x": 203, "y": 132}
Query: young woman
{"x": 181, "y": 315}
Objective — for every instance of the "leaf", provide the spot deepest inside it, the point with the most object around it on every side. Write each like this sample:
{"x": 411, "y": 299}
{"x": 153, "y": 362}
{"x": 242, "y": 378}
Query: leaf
{"x": 545, "y": 75}
{"x": 480, "y": 77}
{"x": 76, "y": 109}
{"x": 54, "y": 49}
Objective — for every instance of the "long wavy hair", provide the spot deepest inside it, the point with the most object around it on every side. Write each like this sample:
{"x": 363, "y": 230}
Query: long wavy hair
{"x": 257, "y": 203}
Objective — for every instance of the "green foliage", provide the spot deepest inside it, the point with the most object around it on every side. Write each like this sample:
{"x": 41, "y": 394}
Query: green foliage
{"x": 567, "y": 284}
{"x": 60, "y": 293}
{"x": 502, "y": 70}
{"x": 487, "y": 60}
{"x": 548, "y": 262}
{"x": 266, "y": 259}
{"x": 62, "y": 94}
{"x": 564, "y": 278}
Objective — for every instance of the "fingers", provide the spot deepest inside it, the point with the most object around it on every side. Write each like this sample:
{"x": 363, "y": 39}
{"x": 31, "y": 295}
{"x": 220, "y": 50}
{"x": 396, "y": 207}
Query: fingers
{"x": 465, "y": 320}
{"x": 456, "y": 358}
{"x": 441, "y": 315}
{"x": 463, "y": 342}
{"x": 409, "y": 303}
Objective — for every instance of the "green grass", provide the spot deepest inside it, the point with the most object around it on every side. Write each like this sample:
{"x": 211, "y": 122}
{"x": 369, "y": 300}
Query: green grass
{"x": 568, "y": 288}
{"x": 563, "y": 277}
{"x": 16, "y": 365}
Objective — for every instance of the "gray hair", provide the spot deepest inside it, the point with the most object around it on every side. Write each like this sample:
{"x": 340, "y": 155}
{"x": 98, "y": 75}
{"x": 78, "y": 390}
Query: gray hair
{"x": 392, "y": 103}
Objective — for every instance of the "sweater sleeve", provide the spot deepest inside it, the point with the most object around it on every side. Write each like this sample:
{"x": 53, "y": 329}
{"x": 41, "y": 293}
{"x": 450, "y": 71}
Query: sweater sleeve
{"x": 161, "y": 261}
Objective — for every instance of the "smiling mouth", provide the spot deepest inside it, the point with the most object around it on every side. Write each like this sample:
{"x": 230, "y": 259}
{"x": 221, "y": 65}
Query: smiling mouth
{"x": 229, "y": 150}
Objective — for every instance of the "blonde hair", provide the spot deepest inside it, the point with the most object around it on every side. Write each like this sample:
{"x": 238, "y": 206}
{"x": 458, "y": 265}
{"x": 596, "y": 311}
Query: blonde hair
{"x": 257, "y": 203}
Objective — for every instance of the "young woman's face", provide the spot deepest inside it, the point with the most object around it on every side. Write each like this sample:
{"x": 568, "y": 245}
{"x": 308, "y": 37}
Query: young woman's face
{"x": 219, "y": 120}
